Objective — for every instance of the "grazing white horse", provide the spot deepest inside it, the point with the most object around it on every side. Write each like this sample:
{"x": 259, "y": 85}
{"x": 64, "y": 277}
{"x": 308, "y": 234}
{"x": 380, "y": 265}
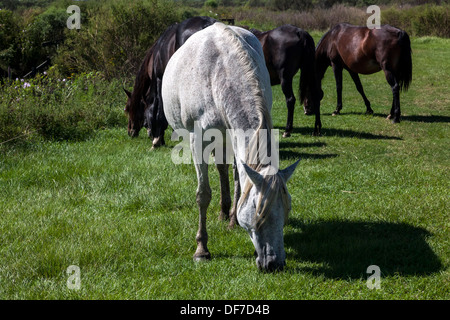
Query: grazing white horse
{"x": 218, "y": 80}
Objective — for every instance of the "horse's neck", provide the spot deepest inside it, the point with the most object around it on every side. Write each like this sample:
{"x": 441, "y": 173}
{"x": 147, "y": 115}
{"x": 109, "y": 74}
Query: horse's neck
{"x": 322, "y": 58}
{"x": 322, "y": 63}
{"x": 142, "y": 81}
{"x": 258, "y": 151}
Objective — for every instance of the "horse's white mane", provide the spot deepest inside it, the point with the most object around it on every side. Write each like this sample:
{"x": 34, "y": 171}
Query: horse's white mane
{"x": 247, "y": 66}
{"x": 273, "y": 185}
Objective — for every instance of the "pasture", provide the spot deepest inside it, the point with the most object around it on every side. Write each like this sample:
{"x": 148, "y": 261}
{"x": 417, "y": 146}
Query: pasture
{"x": 366, "y": 192}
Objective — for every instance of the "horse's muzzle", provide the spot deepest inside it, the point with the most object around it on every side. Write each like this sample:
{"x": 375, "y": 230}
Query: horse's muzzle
{"x": 270, "y": 264}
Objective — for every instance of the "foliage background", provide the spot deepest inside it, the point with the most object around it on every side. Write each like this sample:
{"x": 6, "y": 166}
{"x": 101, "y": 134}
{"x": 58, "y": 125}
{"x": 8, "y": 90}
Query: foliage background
{"x": 75, "y": 189}
{"x": 115, "y": 34}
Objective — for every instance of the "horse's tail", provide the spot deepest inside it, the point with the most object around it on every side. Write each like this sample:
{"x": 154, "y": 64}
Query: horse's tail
{"x": 404, "y": 72}
{"x": 307, "y": 76}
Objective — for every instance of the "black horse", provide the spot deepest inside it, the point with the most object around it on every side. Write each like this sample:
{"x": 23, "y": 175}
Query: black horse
{"x": 286, "y": 50}
{"x": 366, "y": 51}
{"x": 144, "y": 105}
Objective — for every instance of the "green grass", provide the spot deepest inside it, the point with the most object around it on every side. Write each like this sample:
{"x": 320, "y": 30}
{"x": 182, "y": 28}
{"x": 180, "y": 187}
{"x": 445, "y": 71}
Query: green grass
{"x": 365, "y": 193}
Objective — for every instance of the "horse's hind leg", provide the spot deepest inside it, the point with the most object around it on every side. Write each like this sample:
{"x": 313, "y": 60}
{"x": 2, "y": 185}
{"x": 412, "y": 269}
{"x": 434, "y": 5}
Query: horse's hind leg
{"x": 225, "y": 199}
{"x": 360, "y": 89}
{"x": 337, "y": 70}
{"x": 395, "y": 110}
{"x": 203, "y": 198}
{"x": 286, "y": 87}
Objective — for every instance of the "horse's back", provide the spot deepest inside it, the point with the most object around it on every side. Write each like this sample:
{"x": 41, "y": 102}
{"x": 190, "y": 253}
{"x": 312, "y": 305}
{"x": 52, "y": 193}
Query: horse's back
{"x": 361, "y": 49}
{"x": 198, "y": 75}
{"x": 190, "y": 26}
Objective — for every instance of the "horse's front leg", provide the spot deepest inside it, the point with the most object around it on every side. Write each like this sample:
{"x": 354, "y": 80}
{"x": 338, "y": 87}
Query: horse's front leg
{"x": 286, "y": 87}
{"x": 237, "y": 194}
{"x": 159, "y": 118}
{"x": 337, "y": 70}
{"x": 203, "y": 198}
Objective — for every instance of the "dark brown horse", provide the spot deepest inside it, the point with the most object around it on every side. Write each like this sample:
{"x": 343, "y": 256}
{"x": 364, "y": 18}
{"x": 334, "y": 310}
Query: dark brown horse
{"x": 286, "y": 50}
{"x": 144, "y": 105}
{"x": 366, "y": 51}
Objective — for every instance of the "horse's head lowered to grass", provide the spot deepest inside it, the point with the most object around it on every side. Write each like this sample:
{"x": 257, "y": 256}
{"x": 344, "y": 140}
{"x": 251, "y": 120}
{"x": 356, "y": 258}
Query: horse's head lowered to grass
{"x": 135, "y": 117}
{"x": 263, "y": 211}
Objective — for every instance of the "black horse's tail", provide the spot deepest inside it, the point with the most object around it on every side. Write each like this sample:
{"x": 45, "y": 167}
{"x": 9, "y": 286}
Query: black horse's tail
{"x": 307, "y": 76}
{"x": 404, "y": 72}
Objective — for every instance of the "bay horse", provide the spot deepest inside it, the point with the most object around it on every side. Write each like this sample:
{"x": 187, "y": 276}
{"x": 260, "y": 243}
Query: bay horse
{"x": 286, "y": 50}
{"x": 361, "y": 50}
{"x": 144, "y": 104}
{"x": 218, "y": 81}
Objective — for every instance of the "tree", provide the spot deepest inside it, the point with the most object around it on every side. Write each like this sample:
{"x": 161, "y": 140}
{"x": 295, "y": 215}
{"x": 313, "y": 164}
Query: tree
{"x": 9, "y": 31}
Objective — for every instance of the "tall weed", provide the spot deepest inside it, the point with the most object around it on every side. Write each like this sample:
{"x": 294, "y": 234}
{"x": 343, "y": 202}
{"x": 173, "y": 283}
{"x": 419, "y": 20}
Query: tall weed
{"x": 60, "y": 109}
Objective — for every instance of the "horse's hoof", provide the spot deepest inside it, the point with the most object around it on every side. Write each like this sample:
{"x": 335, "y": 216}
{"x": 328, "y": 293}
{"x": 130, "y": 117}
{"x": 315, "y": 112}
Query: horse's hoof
{"x": 202, "y": 257}
{"x": 286, "y": 134}
{"x": 389, "y": 117}
{"x": 335, "y": 113}
{"x": 223, "y": 216}
{"x": 395, "y": 121}
{"x": 369, "y": 112}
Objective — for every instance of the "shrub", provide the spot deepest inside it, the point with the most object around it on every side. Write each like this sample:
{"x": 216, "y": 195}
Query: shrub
{"x": 114, "y": 37}
{"x": 61, "y": 109}
{"x": 432, "y": 21}
{"x": 9, "y": 38}
{"x": 41, "y": 36}
{"x": 423, "y": 20}
{"x": 211, "y": 3}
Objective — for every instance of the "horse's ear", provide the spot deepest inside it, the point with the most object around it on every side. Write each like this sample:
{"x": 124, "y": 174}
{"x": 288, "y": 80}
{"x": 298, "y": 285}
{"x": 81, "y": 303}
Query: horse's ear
{"x": 287, "y": 173}
{"x": 254, "y": 176}
{"x": 127, "y": 92}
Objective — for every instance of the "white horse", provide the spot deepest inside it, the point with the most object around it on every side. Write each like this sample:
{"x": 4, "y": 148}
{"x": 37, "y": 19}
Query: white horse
{"x": 218, "y": 79}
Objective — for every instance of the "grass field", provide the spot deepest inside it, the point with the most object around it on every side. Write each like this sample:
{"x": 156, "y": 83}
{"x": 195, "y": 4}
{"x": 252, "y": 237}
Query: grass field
{"x": 366, "y": 192}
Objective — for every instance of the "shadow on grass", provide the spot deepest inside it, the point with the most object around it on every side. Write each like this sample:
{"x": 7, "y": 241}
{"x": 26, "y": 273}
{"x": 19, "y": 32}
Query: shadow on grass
{"x": 342, "y": 133}
{"x": 412, "y": 118}
{"x": 428, "y": 119}
{"x": 345, "y": 249}
{"x": 286, "y": 152}
{"x": 286, "y": 143}
{"x": 293, "y": 155}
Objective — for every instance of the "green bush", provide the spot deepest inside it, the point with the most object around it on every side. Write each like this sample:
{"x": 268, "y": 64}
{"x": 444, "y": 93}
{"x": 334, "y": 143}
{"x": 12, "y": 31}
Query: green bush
{"x": 41, "y": 36}
{"x": 432, "y": 21}
{"x": 211, "y": 3}
{"x": 9, "y": 38}
{"x": 61, "y": 109}
{"x": 114, "y": 37}
{"x": 423, "y": 20}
